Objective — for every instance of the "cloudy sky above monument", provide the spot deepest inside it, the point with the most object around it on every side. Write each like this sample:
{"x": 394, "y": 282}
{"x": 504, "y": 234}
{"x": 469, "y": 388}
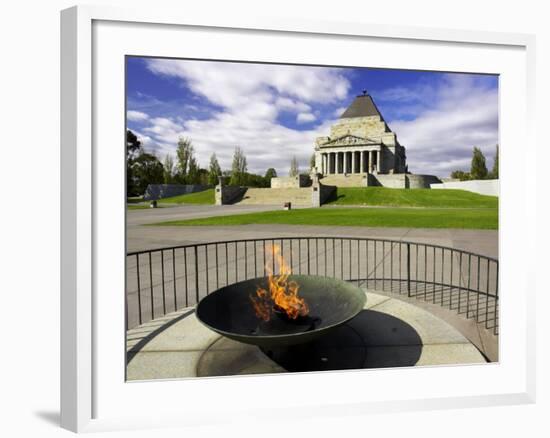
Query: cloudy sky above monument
{"x": 276, "y": 111}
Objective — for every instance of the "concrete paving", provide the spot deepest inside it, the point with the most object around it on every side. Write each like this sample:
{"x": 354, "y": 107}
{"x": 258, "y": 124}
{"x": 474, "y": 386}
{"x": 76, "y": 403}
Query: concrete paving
{"x": 170, "y": 283}
{"x": 387, "y": 333}
{"x": 140, "y": 237}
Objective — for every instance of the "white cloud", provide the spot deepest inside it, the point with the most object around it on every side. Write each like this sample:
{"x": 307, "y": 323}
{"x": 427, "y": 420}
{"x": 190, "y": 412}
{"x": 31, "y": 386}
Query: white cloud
{"x": 450, "y": 116}
{"x": 441, "y": 139}
{"x": 136, "y": 116}
{"x": 286, "y": 104}
{"x": 236, "y": 85}
{"x": 339, "y": 111}
{"x": 305, "y": 118}
{"x": 250, "y": 98}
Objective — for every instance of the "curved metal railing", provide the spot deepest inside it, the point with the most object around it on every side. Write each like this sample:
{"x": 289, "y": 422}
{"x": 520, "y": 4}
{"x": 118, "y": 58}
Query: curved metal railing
{"x": 159, "y": 281}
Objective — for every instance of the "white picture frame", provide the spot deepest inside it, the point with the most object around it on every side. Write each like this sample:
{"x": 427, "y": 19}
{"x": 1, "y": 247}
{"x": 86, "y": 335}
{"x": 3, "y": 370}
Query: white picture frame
{"x": 91, "y": 225}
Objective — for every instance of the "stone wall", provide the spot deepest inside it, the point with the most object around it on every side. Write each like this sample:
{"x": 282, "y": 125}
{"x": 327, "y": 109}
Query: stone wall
{"x": 489, "y": 187}
{"x": 158, "y": 191}
{"x": 321, "y": 193}
{"x": 359, "y": 126}
{"x": 290, "y": 182}
{"x": 395, "y": 180}
{"x": 421, "y": 181}
{"x": 401, "y": 181}
{"x": 228, "y": 194}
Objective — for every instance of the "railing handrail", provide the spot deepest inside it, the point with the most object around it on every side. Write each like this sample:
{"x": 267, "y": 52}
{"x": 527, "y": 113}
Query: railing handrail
{"x": 372, "y": 239}
{"x": 155, "y": 273}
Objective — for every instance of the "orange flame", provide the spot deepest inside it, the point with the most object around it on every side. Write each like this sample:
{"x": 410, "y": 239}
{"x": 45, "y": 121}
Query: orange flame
{"x": 282, "y": 294}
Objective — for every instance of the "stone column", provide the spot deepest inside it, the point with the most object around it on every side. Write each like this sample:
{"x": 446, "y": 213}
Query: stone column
{"x": 378, "y": 156}
{"x": 336, "y": 162}
{"x": 370, "y": 161}
{"x": 345, "y": 158}
{"x": 362, "y": 162}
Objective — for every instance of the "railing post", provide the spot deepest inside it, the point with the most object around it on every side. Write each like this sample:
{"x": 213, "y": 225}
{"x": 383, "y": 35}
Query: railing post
{"x": 408, "y": 270}
{"x": 470, "y": 284}
{"x": 196, "y": 276}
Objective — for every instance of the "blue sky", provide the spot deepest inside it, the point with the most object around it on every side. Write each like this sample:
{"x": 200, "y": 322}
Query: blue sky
{"x": 276, "y": 111}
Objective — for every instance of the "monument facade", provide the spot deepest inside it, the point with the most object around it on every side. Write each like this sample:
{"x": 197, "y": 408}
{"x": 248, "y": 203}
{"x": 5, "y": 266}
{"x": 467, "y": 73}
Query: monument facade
{"x": 361, "y": 142}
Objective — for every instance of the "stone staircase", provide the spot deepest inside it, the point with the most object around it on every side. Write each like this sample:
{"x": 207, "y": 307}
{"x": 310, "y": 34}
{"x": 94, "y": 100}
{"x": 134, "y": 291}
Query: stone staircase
{"x": 344, "y": 180}
{"x": 300, "y": 197}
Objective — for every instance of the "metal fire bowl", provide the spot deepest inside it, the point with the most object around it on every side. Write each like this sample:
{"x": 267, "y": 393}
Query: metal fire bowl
{"x": 229, "y": 312}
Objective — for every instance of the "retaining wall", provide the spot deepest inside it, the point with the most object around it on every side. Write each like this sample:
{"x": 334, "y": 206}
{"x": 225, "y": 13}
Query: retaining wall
{"x": 228, "y": 194}
{"x": 290, "y": 182}
{"x": 158, "y": 191}
{"x": 489, "y": 187}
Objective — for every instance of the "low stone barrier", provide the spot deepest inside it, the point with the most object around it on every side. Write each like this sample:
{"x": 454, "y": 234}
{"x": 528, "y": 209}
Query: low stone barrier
{"x": 159, "y": 191}
{"x": 490, "y": 187}
{"x": 290, "y": 182}
{"x": 229, "y": 194}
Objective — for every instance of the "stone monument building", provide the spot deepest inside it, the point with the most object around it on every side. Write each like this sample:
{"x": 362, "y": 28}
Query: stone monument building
{"x": 360, "y": 142}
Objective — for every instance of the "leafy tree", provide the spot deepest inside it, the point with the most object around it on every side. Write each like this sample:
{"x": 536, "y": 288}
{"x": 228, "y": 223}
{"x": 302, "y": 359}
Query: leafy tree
{"x": 214, "y": 171}
{"x": 193, "y": 172}
{"x": 294, "y": 167}
{"x": 479, "y": 168}
{"x": 168, "y": 169}
{"x": 270, "y": 173}
{"x": 238, "y": 168}
{"x": 203, "y": 176}
{"x": 494, "y": 171}
{"x": 253, "y": 180}
{"x": 146, "y": 169}
{"x": 461, "y": 175}
{"x": 133, "y": 148}
{"x": 184, "y": 153}
{"x": 133, "y": 145}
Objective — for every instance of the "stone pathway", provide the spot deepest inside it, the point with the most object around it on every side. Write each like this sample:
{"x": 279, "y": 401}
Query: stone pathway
{"x": 387, "y": 333}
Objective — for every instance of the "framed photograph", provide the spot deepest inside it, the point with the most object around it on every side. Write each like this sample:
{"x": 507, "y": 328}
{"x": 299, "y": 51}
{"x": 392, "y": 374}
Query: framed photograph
{"x": 321, "y": 216}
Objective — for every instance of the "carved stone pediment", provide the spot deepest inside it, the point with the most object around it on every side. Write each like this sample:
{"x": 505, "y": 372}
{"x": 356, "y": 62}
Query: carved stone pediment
{"x": 348, "y": 140}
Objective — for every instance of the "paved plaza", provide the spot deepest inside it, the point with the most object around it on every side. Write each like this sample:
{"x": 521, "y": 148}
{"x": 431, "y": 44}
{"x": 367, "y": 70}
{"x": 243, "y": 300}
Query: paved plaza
{"x": 387, "y": 333}
{"x": 141, "y": 238}
{"x": 165, "y": 282}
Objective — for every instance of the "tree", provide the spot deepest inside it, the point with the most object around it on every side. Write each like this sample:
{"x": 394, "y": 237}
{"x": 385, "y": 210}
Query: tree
{"x": 168, "y": 169}
{"x": 238, "y": 168}
{"x": 133, "y": 148}
{"x": 193, "y": 172}
{"x": 133, "y": 145}
{"x": 253, "y": 180}
{"x": 184, "y": 153}
{"x": 214, "y": 171}
{"x": 479, "y": 168}
{"x": 294, "y": 167}
{"x": 146, "y": 169}
{"x": 461, "y": 175}
{"x": 494, "y": 171}
{"x": 270, "y": 173}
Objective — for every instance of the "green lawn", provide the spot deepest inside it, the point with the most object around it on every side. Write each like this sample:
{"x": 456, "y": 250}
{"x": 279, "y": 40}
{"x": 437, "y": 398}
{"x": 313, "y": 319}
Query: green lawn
{"x": 384, "y": 196}
{"x": 204, "y": 197}
{"x": 366, "y": 217}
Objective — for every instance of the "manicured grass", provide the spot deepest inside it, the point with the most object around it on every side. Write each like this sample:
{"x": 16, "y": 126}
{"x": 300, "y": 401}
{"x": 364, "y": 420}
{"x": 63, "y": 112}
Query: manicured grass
{"x": 204, "y": 197}
{"x": 366, "y": 217}
{"x": 384, "y": 196}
